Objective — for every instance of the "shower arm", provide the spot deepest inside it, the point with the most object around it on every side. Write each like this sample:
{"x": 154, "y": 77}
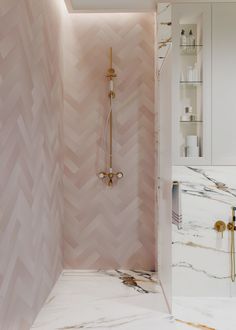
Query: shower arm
{"x": 110, "y": 175}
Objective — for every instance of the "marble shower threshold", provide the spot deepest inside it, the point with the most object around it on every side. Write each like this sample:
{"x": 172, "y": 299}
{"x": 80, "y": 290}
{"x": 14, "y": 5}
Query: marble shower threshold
{"x": 115, "y": 299}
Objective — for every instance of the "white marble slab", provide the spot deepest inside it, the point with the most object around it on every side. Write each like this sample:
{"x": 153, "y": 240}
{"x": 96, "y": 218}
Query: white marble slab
{"x": 127, "y": 300}
{"x": 201, "y": 264}
{"x": 105, "y": 300}
{"x": 164, "y": 32}
{"x": 205, "y": 313}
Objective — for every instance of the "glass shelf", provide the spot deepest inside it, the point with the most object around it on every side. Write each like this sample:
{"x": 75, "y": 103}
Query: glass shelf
{"x": 191, "y": 83}
{"x": 191, "y": 121}
{"x": 190, "y": 50}
{"x": 191, "y": 45}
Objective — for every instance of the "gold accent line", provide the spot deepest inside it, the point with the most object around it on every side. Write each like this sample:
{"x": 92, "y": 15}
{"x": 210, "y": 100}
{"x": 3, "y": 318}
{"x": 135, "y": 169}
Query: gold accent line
{"x": 233, "y": 247}
{"x": 111, "y": 58}
{"x": 164, "y": 43}
{"x": 111, "y": 133}
{"x": 111, "y": 96}
{"x": 197, "y": 326}
{"x": 231, "y": 228}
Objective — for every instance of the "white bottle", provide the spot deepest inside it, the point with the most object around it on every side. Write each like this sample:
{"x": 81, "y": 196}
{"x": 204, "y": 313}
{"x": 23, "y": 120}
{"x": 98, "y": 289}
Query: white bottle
{"x": 191, "y": 39}
{"x": 189, "y": 73}
{"x": 195, "y": 72}
{"x": 183, "y": 38}
{"x": 187, "y": 114}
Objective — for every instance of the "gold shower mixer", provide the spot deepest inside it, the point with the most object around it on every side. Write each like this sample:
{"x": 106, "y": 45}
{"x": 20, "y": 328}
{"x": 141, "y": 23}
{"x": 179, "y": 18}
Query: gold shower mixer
{"x": 220, "y": 227}
{"x": 109, "y": 177}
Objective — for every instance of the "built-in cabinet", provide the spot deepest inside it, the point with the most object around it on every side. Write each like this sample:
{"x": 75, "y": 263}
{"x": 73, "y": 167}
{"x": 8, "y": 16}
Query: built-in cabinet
{"x": 224, "y": 84}
{"x": 203, "y": 84}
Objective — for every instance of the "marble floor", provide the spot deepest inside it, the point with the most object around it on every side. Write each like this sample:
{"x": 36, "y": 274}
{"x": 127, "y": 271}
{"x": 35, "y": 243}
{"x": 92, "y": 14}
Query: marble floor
{"x": 205, "y": 313}
{"x": 131, "y": 300}
{"x": 105, "y": 300}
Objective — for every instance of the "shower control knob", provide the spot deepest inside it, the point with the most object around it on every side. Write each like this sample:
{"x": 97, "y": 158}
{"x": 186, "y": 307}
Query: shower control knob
{"x": 119, "y": 175}
{"x": 109, "y": 176}
{"x": 220, "y": 227}
{"x": 101, "y": 175}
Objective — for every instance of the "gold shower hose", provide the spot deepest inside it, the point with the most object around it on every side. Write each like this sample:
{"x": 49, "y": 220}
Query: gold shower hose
{"x": 109, "y": 175}
{"x": 231, "y": 227}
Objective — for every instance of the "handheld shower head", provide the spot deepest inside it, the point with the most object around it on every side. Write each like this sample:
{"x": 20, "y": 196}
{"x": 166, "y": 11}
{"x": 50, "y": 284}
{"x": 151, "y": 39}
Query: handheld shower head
{"x": 234, "y": 213}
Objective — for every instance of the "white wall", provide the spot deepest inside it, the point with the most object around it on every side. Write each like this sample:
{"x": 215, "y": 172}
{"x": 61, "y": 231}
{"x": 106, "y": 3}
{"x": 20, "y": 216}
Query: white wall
{"x": 201, "y": 259}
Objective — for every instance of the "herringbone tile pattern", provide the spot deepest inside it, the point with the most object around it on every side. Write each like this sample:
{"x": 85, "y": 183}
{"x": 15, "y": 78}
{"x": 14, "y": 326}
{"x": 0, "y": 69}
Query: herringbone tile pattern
{"x": 109, "y": 228}
{"x": 103, "y": 228}
{"x": 30, "y": 158}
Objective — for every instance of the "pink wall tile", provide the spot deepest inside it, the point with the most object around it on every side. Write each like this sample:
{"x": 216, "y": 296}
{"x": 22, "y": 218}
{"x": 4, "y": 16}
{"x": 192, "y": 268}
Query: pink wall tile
{"x": 30, "y": 158}
{"x": 103, "y": 227}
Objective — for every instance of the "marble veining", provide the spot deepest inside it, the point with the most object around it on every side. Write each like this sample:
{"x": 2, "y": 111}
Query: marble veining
{"x": 143, "y": 282}
{"x": 219, "y": 185}
{"x": 211, "y": 188}
{"x": 110, "y": 324}
{"x": 194, "y": 325}
{"x": 205, "y": 313}
{"x": 184, "y": 264}
{"x": 208, "y": 193}
{"x": 164, "y": 32}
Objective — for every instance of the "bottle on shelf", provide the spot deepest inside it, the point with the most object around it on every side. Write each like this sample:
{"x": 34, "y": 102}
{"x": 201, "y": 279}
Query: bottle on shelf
{"x": 191, "y": 39}
{"x": 189, "y": 73}
{"x": 182, "y": 77}
{"x": 195, "y": 74}
{"x": 183, "y": 38}
{"x": 188, "y": 114}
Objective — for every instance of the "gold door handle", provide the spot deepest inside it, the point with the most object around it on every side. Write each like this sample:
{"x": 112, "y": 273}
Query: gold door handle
{"x": 220, "y": 227}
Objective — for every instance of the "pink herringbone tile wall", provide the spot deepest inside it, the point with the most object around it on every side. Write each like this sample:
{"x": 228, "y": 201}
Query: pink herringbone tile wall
{"x": 31, "y": 102}
{"x": 104, "y": 227}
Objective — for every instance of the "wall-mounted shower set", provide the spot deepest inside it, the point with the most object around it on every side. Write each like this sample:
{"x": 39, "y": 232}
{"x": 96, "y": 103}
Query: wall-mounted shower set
{"x": 220, "y": 226}
{"x": 109, "y": 176}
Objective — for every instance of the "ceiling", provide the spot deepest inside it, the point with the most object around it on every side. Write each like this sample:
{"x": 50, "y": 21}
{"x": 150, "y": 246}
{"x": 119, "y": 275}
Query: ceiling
{"x": 110, "y": 5}
{"x": 90, "y": 6}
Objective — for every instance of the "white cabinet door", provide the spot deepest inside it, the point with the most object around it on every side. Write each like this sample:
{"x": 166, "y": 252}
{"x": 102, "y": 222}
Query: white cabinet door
{"x": 224, "y": 84}
{"x": 165, "y": 180}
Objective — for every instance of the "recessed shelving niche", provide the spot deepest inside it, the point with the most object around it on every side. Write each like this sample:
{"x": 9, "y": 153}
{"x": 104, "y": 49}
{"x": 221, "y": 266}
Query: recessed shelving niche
{"x": 191, "y": 83}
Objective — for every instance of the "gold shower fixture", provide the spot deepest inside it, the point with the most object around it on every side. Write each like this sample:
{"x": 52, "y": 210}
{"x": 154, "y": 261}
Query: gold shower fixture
{"x": 231, "y": 227}
{"x": 109, "y": 176}
{"x": 220, "y": 227}
{"x": 111, "y": 74}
